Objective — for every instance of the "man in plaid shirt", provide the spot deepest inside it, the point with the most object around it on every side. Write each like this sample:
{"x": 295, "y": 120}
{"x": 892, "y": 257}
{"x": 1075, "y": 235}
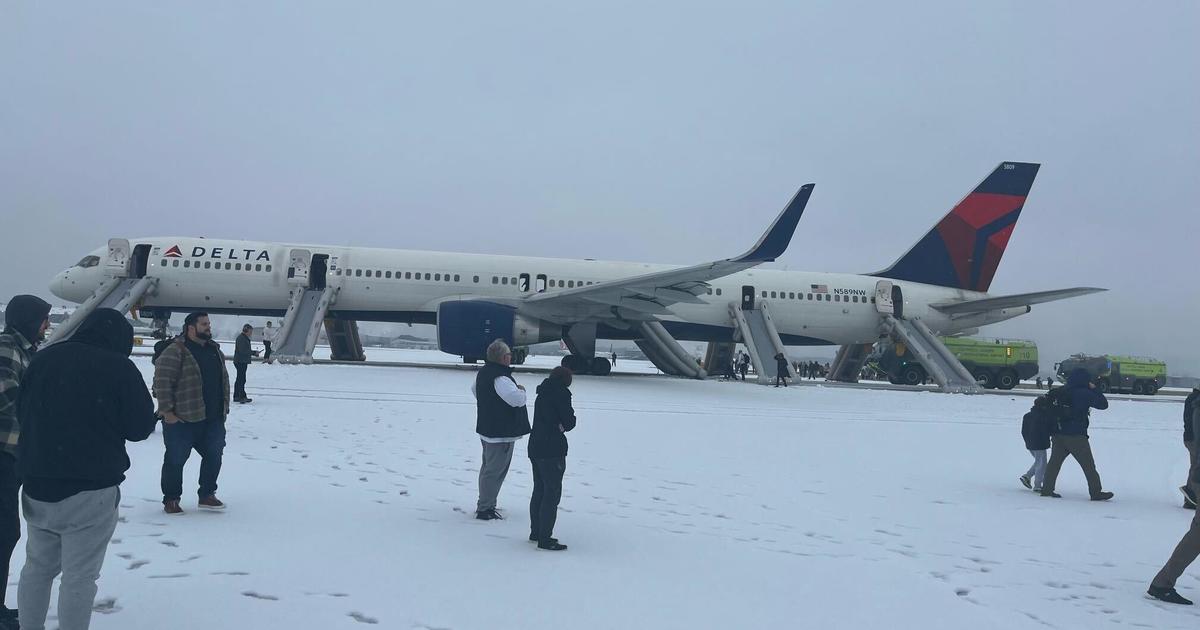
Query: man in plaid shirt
{"x": 26, "y": 321}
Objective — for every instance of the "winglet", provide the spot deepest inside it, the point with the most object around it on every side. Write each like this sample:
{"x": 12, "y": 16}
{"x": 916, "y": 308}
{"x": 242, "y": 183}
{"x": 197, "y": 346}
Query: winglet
{"x": 777, "y": 238}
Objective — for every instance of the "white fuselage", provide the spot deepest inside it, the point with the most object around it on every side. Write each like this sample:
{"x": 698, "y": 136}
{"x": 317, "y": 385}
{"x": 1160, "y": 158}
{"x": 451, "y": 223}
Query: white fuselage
{"x": 249, "y": 277}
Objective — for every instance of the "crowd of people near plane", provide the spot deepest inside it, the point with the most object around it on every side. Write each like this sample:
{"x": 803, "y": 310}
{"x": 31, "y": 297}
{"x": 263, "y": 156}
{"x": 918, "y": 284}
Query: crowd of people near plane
{"x": 67, "y": 411}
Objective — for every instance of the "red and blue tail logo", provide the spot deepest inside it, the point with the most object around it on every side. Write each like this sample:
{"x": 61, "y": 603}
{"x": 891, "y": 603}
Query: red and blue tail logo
{"x": 964, "y": 250}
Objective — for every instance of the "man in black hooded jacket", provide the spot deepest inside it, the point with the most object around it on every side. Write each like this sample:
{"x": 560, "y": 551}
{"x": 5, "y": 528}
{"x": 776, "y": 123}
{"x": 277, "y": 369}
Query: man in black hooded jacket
{"x": 553, "y": 416}
{"x": 26, "y": 321}
{"x": 81, "y": 400}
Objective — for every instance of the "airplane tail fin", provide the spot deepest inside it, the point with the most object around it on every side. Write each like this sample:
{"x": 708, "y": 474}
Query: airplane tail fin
{"x": 964, "y": 249}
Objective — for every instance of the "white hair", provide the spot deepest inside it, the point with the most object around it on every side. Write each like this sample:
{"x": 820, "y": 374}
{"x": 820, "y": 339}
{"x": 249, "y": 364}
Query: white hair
{"x": 497, "y": 350}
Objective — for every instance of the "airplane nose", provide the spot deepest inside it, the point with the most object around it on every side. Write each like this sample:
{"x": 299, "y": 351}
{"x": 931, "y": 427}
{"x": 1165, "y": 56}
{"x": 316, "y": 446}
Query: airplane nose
{"x": 58, "y": 285}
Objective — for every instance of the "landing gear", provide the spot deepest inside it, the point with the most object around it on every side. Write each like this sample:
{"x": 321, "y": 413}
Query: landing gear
{"x": 598, "y": 366}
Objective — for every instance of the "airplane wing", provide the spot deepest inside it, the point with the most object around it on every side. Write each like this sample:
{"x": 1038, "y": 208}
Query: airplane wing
{"x": 1011, "y": 301}
{"x": 648, "y": 295}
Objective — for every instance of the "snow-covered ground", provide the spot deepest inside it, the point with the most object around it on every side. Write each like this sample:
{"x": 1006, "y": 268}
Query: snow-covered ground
{"x": 688, "y": 505}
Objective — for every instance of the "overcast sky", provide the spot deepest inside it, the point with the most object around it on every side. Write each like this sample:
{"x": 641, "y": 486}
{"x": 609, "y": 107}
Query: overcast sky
{"x": 658, "y": 132}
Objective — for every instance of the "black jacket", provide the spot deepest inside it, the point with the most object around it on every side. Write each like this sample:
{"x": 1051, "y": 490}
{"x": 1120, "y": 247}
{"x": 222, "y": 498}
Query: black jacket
{"x": 241, "y": 349}
{"x": 80, "y": 401}
{"x": 495, "y": 418}
{"x": 781, "y": 366}
{"x": 1189, "y": 410}
{"x": 1037, "y": 425}
{"x": 1080, "y": 399}
{"x": 553, "y": 416}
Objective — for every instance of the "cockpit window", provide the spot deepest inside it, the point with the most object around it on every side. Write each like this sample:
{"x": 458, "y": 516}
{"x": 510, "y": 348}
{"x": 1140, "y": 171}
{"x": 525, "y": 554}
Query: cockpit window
{"x": 88, "y": 261}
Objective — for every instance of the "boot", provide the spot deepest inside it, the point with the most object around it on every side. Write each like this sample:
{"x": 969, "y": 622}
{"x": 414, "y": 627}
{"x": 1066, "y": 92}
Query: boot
{"x": 172, "y": 507}
{"x": 1026, "y": 481}
{"x": 489, "y": 515}
{"x": 1102, "y": 496}
{"x": 211, "y": 502}
{"x": 1051, "y": 493}
{"x": 551, "y": 545}
{"x": 1169, "y": 595}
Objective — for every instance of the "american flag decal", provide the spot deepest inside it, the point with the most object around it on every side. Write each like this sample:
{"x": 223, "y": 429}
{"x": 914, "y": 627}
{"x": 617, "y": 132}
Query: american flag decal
{"x": 820, "y": 288}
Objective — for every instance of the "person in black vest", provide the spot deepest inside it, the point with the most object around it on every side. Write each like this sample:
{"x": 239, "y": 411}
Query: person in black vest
{"x": 744, "y": 365}
{"x": 81, "y": 400}
{"x": 1191, "y": 413}
{"x": 781, "y": 370}
{"x": 553, "y": 416}
{"x": 242, "y": 355}
{"x": 501, "y": 420}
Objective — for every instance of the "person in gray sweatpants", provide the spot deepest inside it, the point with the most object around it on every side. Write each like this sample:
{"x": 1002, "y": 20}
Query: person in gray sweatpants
{"x": 80, "y": 401}
{"x": 501, "y": 419}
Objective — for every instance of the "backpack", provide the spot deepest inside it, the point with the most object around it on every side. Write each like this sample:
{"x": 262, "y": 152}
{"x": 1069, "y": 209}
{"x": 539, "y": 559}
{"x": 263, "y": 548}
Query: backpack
{"x": 1059, "y": 409}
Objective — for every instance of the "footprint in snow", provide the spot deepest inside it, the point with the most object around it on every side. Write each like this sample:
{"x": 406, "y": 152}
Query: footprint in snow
{"x": 361, "y": 618}
{"x": 106, "y": 606}
{"x": 170, "y": 576}
{"x": 257, "y": 595}
{"x": 137, "y": 564}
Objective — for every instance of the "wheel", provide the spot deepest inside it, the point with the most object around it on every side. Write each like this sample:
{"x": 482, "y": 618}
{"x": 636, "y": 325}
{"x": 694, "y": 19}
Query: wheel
{"x": 600, "y": 366}
{"x": 985, "y": 378}
{"x": 572, "y": 362}
{"x": 912, "y": 375}
{"x": 1007, "y": 379}
{"x": 1137, "y": 387}
{"x": 1102, "y": 386}
{"x": 894, "y": 380}
{"x": 519, "y": 355}
{"x": 1151, "y": 388}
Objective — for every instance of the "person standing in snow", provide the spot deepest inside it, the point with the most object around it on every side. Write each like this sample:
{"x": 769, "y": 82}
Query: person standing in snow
{"x": 1071, "y": 435}
{"x": 553, "y": 416}
{"x": 1191, "y": 419}
{"x": 192, "y": 388}
{"x": 1036, "y": 429}
{"x": 268, "y": 340}
{"x": 781, "y": 370}
{"x": 26, "y": 320}
{"x": 501, "y": 419}
{"x": 242, "y": 355}
{"x": 81, "y": 400}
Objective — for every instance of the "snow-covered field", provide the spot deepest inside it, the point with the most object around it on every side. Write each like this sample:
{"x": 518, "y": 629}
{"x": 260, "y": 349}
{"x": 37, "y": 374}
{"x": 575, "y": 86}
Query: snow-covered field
{"x": 688, "y": 505}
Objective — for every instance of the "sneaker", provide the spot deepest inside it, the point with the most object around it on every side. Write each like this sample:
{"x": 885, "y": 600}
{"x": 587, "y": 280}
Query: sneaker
{"x": 533, "y": 538}
{"x": 172, "y": 507}
{"x": 1169, "y": 595}
{"x": 1188, "y": 497}
{"x": 211, "y": 502}
{"x": 1026, "y": 481}
{"x": 1103, "y": 496}
{"x": 551, "y": 545}
{"x": 489, "y": 515}
{"x": 1051, "y": 493}
{"x": 1188, "y": 505}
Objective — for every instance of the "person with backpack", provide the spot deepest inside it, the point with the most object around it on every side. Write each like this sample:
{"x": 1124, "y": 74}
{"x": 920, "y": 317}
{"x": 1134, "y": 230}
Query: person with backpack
{"x": 1073, "y": 405}
{"x": 1035, "y": 429}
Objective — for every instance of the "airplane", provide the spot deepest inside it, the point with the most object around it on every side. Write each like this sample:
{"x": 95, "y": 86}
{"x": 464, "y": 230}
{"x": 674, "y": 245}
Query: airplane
{"x": 475, "y": 298}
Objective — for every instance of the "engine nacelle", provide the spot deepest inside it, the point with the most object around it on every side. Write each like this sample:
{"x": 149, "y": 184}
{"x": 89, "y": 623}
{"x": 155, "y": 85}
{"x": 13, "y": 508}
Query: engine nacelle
{"x": 468, "y": 327}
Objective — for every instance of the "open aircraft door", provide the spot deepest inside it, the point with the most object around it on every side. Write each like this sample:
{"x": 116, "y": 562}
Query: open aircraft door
{"x": 299, "y": 261}
{"x": 883, "y": 298}
{"x": 116, "y": 262}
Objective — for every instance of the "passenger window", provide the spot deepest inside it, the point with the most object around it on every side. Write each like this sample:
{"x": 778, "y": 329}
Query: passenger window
{"x": 387, "y": 275}
{"x": 709, "y": 291}
{"x": 791, "y": 296}
{"x": 427, "y": 276}
{"x": 837, "y": 298}
{"x": 378, "y": 274}
{"x": 336, "y": 272}
{"x": 810, "y": 297}
{"x": 504, "y": 280}
{"x": 268, "y": 268}
{"x": 408, "y": 275}
{"x": 358, "y": 273}
{"x": 456, "y": 277}
{"x": 476, "y": 281}
{"x": 175, "y": 263}
{"x": 228, "y": 266}
{"x": 718, "y": 292}
{"x": 237, "y": 266}
{"x": 258, "y": 267}
{"x": 764, "y": 294}
{"x": 570, "y": 284}
{"x": 495, "y": 280}
{"x": 437, "y": 276}
{"x": 187, "y": 263}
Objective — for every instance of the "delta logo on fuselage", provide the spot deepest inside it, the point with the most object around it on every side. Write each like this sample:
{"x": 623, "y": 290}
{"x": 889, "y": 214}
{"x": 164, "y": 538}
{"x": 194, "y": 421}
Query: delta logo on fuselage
{"x": 222, "y": 253}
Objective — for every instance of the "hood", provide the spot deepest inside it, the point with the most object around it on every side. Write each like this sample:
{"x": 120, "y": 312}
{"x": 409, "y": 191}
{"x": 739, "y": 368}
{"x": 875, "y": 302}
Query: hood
{"x": 551, "y": 384}
{"x": 25, "y": 314}
{"x": 1078, "y": 377}
{"x": 1042, "y": 402}
{"x": 107, "y": 329}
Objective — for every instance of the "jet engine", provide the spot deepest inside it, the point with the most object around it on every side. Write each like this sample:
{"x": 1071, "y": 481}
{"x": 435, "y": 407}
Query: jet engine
{"x": 468, "y": 327}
